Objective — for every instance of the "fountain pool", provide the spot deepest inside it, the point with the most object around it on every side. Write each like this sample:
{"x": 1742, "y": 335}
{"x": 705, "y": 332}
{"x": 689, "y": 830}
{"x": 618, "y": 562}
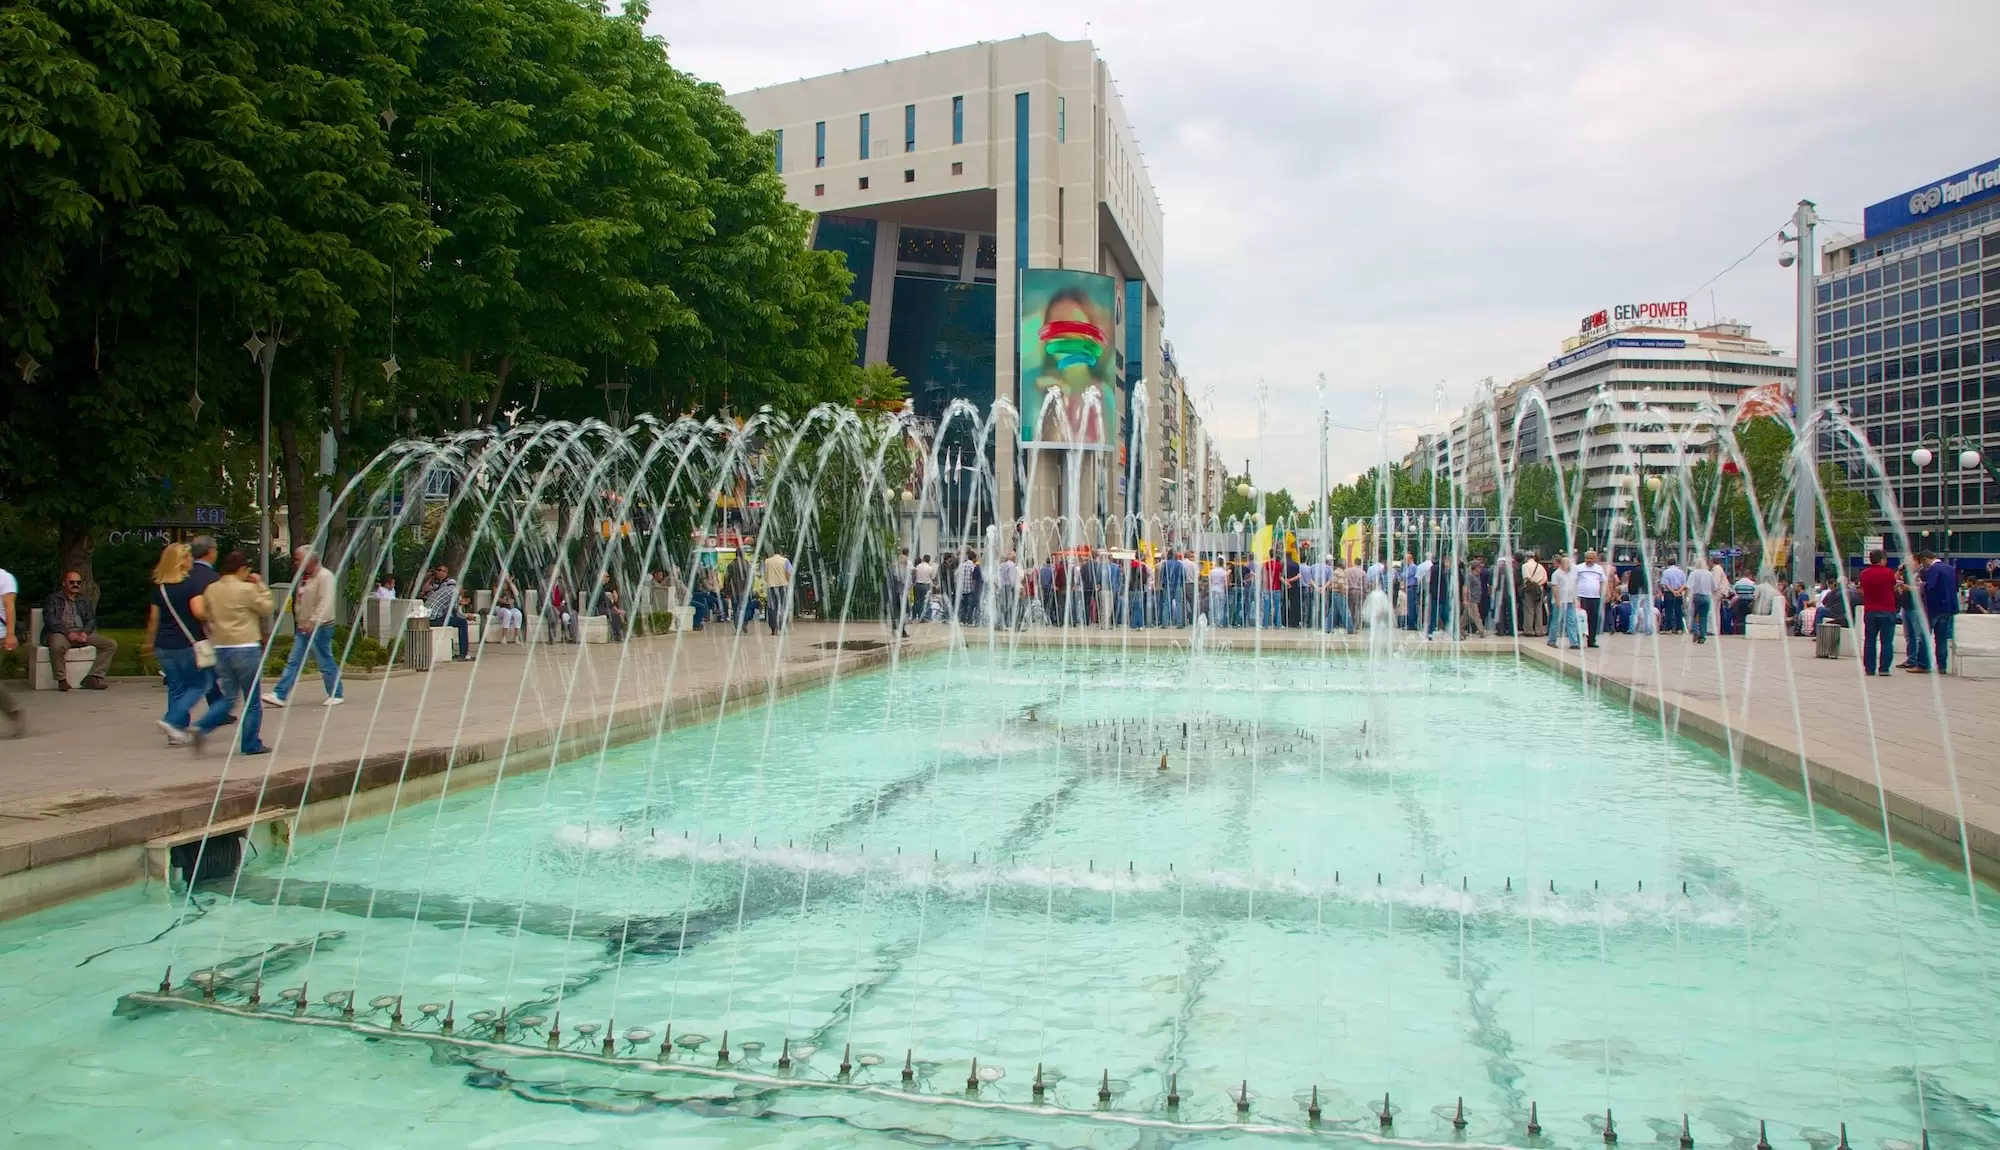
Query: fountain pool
{"x": 1453, "y": 881}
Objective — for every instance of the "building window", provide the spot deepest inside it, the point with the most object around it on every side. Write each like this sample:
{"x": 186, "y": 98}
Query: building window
{"x": 863, "y": 184}
{"x": 957, "y": 167}
{"x": 819, "y": 144}
{"x": 909, "y": 175}
{"x": 779, "y": 138}
{"x": 864, "y": 136}
{"x": 909, "y": 127}
{"x": 958, "y": 119}
{"x": 1062, "y": 120}
{"x": 819, "y": 189}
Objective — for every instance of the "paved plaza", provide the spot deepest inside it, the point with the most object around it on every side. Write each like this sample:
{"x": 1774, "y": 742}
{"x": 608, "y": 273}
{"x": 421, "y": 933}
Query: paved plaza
{"x": 93, "y": 773}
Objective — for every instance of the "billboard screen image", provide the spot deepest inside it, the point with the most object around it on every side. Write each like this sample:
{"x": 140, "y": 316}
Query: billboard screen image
{"x": 1069, "y": 385}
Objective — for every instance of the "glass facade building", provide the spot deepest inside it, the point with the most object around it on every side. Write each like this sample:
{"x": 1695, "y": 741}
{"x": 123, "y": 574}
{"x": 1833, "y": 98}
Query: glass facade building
{"x": 1907, "y": 325}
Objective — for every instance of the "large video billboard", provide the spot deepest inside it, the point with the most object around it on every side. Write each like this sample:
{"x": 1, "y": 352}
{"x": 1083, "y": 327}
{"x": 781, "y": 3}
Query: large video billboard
{"x": 1069, "y": 379}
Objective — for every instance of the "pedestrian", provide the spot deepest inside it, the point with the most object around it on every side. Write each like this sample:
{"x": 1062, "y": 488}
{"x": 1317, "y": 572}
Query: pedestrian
{"x": 1591, "y": 581}
{"x": 1939, "y": 595}
{"x": 925, "y": 573}
{"x": 1564, "y": 625}
{"x": 610, "y": 604}
{"x": 971, "y": 588}
{"x": 1701, "y": 590}
{"x": 1879, "y": 590}
{"x": 1534, "y": 593}
{"x": 1413, "y": 575}
{"x": 237, "y": 605}
{"x": 1354, "y": 585}
{"x": 1673, "y": 603}
{"x": 313, "y": 591}
{"x": 10, "y": 707}
{"x": 1007, "y": 597}
{"x": 175, "y": 639}
{"x": 777, "y": 590}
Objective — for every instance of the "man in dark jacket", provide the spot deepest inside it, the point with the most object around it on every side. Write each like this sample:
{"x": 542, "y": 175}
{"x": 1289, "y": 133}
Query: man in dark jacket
{"x": 70, "y": 620}
{"x": 1940, "y": 596}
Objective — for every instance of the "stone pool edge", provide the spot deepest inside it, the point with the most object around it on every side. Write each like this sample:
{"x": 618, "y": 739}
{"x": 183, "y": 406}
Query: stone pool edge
{"x": 78, "y": 862}
{"x": 1932, "y": 832}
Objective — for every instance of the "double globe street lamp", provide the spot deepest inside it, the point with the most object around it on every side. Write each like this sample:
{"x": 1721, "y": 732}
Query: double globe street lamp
{"x": 1969, "y": 459}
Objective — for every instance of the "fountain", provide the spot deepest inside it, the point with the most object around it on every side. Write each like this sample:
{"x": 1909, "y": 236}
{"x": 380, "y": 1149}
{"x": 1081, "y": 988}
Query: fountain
{"x": 903, "y": 852}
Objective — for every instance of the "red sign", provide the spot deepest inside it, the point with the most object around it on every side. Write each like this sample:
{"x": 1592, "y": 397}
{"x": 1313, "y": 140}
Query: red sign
{"x": 1594, "y": 321}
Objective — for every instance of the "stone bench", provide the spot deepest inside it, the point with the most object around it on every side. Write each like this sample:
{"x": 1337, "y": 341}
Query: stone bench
{"x": 41, "y": 675}
{"x": 1766, "y": 627}
{"x": 1975, "y": 646}
{"x": 596, "y": 629}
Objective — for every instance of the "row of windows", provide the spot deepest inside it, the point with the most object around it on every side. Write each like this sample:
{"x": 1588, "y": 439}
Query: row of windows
{"x": 1932, "y": 295}
{"x": 1911, "y": 366}
{"x": 1947, "y": 325}
{"x": 909, "y": 177}
{"x": 862, "y": 145}
{"x": 1929, "y": 397}
{"x": 1906, "y": 271}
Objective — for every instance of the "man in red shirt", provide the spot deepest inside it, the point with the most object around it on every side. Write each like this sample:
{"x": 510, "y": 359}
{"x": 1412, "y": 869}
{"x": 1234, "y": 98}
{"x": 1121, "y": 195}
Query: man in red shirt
{"x": 1879, "y": 585}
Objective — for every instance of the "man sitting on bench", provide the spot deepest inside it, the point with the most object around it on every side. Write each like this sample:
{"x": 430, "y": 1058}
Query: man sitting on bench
{"x": 70, "y": 620}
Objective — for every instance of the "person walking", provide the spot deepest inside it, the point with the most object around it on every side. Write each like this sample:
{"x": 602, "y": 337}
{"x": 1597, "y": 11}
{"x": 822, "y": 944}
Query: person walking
{"x": 736, "y": 589}
{"x": 173, "y": 633}
{"x": 1354, "y": 585}
{"x": 898, "y": 592}
{"x": 1939, "y": 594}
{"x": 1007, "y": 596}
{"x": 1591, "y": 579}
{"x": 1879, "y": 589}
{"x": 1412, "y": 579}
{"x": 312, "y": 631}
{"x": 10, "y": 707}
{"x": 777, "y": 590}
{"x": 202, "y": 548}
{"x": 237, "y": 607}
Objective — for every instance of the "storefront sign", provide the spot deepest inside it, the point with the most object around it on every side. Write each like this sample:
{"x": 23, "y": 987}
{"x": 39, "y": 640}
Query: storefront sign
{"x": 1646, "y": 312}
{"x": 1968, "y": 186}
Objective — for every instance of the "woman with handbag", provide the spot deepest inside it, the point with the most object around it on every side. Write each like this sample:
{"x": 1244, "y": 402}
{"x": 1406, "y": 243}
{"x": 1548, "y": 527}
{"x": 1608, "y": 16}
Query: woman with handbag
{"x": 175, "y": 638}
{"x": 238, "y": 607}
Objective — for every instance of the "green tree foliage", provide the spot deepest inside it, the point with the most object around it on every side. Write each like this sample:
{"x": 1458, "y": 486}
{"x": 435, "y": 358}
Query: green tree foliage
{"x": 435, "y": 207}
{"x": 1278, "y": 506}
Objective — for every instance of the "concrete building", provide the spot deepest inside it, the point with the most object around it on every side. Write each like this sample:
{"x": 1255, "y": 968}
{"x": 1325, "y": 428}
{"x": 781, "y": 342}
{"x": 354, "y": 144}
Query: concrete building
{"x": 1662, "y": 372}
{"x": 940, "y": 176}
{"x": 1659, "y": 372}
{"x": 1907, "y": 318}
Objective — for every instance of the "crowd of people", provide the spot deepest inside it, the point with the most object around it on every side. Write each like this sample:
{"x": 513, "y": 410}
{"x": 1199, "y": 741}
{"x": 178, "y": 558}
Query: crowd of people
{"x": 1568, "y": 600}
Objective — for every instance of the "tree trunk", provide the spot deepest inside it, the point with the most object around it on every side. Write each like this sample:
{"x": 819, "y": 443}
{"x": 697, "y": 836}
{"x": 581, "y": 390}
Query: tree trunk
{"x": 499, "y": 388}
{"x": 75, "y": 544}
{"x": 298, "y": 511}
{"x": 336, "y": 531}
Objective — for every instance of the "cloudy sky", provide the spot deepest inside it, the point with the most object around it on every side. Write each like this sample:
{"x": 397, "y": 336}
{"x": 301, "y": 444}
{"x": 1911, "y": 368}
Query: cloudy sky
{"x": 1407, "y": 197}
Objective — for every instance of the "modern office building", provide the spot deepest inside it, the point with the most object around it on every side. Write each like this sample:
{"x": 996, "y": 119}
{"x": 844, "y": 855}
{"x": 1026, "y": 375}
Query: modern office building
{"x": 943, "y": 176}
{"x": 1658, "y": 385}
{"x": 1900, "y": 313}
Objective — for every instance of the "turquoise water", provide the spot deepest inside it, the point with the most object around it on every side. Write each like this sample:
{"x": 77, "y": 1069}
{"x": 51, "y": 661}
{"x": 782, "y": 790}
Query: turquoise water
{"x": 1437, "y": 879}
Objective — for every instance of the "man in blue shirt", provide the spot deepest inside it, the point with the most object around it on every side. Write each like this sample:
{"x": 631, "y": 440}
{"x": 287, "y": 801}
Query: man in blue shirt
{"x": 1940, "y": 597}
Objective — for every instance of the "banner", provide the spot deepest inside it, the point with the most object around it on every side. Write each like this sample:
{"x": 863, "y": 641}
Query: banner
{"x": 1069, "y": 385}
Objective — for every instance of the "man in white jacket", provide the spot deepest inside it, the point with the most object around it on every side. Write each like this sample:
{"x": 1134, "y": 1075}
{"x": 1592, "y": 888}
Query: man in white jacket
{"x": 312, "y": 617}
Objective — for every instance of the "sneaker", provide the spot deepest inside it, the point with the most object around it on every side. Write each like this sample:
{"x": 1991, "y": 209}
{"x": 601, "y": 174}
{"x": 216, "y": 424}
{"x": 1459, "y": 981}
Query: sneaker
{"x": 257, "y": 751}
{"x": 271, "y": 699}
{"x": 176, "y": 736}
{"x": 333, "y": 701}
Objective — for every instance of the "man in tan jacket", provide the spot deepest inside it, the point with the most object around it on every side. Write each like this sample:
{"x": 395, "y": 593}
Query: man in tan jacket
{"x": 313, "y": 594}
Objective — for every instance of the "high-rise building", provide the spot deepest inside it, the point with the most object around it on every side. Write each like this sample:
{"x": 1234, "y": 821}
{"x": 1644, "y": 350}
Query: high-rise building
{"x": 944, "y": 176}
{"x": 1899, "y": 313}
{"x": 1639, "y": 390}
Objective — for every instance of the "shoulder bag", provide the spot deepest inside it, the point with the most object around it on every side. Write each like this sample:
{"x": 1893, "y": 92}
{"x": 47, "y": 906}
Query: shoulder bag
{"x": 204, "y": 649}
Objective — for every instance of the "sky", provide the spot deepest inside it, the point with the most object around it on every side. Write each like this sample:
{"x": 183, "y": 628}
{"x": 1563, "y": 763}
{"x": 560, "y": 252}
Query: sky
{"x": 1407, "y": 198}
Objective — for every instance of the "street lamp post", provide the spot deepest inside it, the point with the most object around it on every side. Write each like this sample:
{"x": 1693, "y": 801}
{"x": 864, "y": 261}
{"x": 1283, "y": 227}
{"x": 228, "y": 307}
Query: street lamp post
{"x": 1805, "y": 396}
{"x": 264, "y": 352}
{"x": 1969, "y": 459}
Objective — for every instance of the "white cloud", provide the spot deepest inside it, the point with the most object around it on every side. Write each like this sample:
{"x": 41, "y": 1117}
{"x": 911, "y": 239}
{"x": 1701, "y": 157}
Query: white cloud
{"x": 1398, "y": 194}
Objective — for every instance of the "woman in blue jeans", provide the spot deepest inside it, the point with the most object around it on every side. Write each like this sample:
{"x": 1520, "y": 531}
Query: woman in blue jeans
{"x": 173, "y": 626}
{"x": 238, "y": 604}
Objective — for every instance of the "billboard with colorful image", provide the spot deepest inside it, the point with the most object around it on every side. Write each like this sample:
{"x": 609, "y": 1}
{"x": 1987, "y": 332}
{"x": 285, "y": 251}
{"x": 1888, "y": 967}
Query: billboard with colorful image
{"x": 1069, "y": 378}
